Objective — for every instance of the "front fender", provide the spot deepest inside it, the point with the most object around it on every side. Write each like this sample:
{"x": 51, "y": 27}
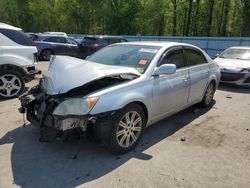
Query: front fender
{"x": 116, "y": 101}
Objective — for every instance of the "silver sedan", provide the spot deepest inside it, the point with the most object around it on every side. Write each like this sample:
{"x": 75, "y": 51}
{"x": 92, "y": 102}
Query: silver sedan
{"x": 120, "y": 90}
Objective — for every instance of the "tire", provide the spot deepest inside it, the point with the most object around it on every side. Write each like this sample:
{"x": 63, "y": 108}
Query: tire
{"x": 12, "y": 84}
{"x": 45, "y": 55}
{"x": 208, "y": 96}
{"x": 123, "y": 136}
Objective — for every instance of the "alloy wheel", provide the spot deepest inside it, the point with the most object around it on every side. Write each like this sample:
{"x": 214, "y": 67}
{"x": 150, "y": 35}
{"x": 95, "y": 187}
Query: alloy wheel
{"x": 129, "y": 129}
{"x": 10, "y": 85}
{"x": 209, "y": 94}
{"x": 46, "y": 55}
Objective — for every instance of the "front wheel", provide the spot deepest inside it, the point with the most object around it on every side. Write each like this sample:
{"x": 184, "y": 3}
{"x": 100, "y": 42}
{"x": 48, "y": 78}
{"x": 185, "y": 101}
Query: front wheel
{"x": 11, "y": 84}
{"x": 126, "y": 129}
{"x": 208, "y": 96}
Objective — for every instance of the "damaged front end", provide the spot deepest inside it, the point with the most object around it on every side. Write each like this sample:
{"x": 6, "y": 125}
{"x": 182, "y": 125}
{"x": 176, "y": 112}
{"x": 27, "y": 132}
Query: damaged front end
{"x": 66, "y": 111}
{"x": 40, "y": 111}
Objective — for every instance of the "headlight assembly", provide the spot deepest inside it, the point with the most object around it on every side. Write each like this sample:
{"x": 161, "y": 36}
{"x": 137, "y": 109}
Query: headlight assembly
{"x": 75, "y": 106}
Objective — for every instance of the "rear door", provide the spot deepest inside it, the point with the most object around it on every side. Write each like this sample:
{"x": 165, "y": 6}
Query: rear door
{"x": 171, "y": 91}
{"x": 73, "y": 47}
{"x": 59, "y": 45}
{"x": 199, "y": 72}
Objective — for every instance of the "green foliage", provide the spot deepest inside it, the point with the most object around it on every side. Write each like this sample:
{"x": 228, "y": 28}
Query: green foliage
{"x": 130, "y": 17}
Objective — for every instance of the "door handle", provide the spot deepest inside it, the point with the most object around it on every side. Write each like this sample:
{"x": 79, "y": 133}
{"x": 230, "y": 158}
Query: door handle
{"x": 185, "y": 78}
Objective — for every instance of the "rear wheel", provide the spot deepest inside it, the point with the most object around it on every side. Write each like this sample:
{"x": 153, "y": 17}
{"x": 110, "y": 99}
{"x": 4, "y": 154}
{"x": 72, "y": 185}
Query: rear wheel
{"x": 11, "y": 84}
{"x": 208, "y": 96}
{"x": 126, "y": 129}
{"x": 45, "y": 55}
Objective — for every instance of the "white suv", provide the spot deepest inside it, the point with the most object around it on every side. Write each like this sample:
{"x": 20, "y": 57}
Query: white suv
{"x": 17, "y": 61}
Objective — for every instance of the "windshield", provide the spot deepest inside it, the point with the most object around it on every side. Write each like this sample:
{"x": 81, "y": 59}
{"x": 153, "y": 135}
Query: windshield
{"x": 238, "y": 53}
{"x": 136, "y": 56}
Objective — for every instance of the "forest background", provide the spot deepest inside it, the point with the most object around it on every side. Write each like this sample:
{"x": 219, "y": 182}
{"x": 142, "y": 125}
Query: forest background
{"x": 225, "y": 18}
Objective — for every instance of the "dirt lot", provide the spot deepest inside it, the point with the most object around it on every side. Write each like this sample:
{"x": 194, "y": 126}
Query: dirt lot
{"x": 215, "y": 153}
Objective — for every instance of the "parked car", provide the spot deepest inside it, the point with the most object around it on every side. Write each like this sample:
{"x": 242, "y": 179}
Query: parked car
{"x": 48, "y": 45}
{"x": 90, "y": 44}
{"x": 56, "y": 33}
{"x": 17, "y": 61}
{"x": 120, "y": 90}
{"x": 235, "y": 65}
{"x": 33, "y": 36}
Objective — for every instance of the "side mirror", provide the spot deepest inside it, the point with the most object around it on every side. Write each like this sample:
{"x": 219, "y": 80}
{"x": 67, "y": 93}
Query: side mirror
{"x": 165, "y": 69}
{"x": 216, "y": 55}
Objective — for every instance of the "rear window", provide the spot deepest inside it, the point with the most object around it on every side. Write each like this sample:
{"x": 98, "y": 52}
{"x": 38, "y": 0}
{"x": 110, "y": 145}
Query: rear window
{"x": 194, "y": 57}
{"x": 115, "y": 40}
{"x": 88, "y": 40}
{"x": 17, "y": 36}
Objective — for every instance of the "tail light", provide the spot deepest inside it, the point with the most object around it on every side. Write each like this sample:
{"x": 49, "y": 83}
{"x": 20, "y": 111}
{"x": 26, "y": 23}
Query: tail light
{"x": 95, "y": 45}
{"x": 34, "y": 43}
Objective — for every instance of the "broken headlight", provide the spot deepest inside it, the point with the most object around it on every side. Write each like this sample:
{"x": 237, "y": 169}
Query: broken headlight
{"x": 75, "y": 106}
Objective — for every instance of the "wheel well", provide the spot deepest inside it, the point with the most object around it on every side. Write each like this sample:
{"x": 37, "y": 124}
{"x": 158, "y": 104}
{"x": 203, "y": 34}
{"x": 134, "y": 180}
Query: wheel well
{"x": 143, "y": 107}
{"x": 13, "y": 68}
{"x": 49, "y": 50}
{"x": 40, "y": 57}
{"x": 214, "y": 83}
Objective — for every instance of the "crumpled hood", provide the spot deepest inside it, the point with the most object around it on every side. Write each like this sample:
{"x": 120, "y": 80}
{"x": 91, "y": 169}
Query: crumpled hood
{"x": 223, "y": 62}
{"x": 66, "y": 73}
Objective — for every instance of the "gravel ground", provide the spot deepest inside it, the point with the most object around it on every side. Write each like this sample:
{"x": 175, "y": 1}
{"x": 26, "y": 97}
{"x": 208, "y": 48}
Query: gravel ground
{"x": 214, "y": 151}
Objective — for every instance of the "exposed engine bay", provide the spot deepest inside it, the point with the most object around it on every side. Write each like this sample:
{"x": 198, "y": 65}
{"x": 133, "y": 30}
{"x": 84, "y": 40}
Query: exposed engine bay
{"x": 39, "y": 106}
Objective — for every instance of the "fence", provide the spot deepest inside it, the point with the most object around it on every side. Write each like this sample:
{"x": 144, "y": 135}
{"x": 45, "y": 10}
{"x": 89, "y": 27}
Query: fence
{"x": 212, "y": 45}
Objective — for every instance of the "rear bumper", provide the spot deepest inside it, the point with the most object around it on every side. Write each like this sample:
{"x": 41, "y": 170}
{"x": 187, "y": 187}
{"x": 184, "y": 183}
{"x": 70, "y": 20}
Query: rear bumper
{"x": 239, "y": 78}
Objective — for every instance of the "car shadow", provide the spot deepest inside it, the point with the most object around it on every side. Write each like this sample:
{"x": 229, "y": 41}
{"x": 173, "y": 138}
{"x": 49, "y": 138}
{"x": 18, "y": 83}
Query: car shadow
{"x": 73, "y": 163}
{"x": 234, "y": 88}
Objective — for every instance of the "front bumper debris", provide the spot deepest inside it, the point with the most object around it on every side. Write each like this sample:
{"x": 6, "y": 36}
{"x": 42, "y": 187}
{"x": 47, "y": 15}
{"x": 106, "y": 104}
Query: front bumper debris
{"x": 40, "y": 114}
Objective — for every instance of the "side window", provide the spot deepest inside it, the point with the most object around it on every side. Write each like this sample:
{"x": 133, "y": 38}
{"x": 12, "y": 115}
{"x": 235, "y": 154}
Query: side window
{"x": 124, "y": 40}
{"x": 114, "y": 40}
{"x": 60, "y": 40}
{"x": 104, "y": 41}
{"x": 49, "y": 39}
{"x": 17, "y": 36}
{"x": 71, "y": 41}
{"x": 174, "y": 57}
{"x": 194, "y": 57}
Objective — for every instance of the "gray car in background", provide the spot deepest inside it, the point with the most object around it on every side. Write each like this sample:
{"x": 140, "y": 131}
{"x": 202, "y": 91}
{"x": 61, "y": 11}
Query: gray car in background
{"x": 48, "y": 45}
{"x": 120, "y": 90}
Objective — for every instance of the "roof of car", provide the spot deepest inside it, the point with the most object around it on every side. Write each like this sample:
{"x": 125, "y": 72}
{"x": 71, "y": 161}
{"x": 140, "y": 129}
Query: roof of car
{"x": 55, "y": 33}
{"x": 157, "y": 43}
{"x": 101, "y": 37}
{"x": 7, "y": 26}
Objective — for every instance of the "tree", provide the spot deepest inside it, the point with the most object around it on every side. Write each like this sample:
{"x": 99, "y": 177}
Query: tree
{"x": 210, "y": 16}
{"x": 246, "y": 16}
